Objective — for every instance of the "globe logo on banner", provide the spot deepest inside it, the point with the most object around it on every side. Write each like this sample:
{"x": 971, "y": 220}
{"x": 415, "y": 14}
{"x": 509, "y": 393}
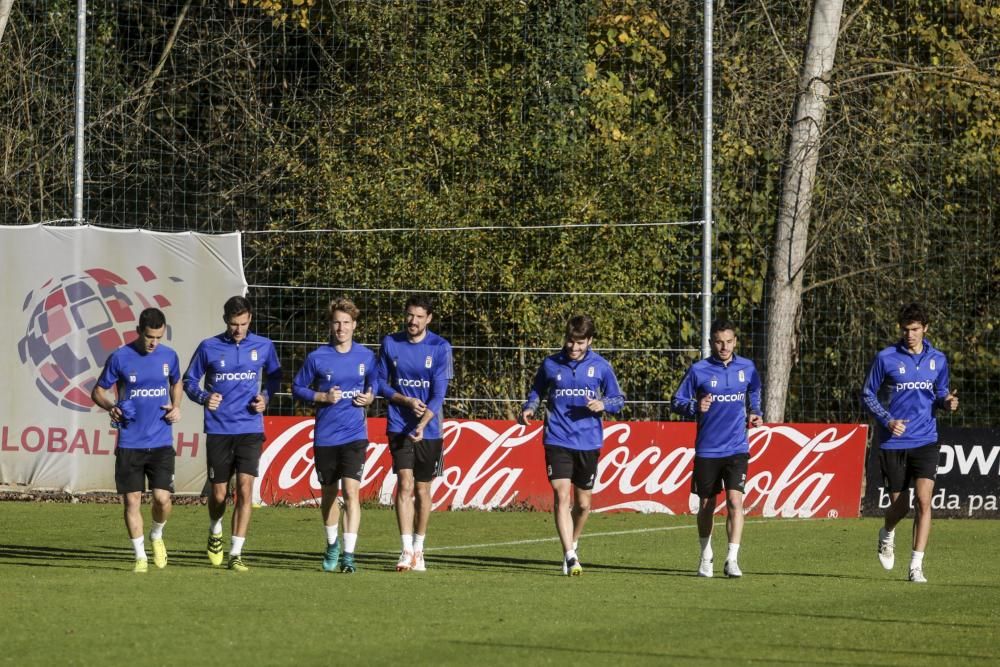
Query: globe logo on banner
{"x": 74, "y": 323}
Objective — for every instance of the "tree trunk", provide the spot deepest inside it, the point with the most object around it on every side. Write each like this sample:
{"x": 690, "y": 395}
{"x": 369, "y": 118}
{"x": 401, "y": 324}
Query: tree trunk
{"x": 5, "y": 7}
{"x": 796, "y": 202}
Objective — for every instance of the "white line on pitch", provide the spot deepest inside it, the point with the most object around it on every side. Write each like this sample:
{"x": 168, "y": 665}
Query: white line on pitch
{"x": 612, "y": 533}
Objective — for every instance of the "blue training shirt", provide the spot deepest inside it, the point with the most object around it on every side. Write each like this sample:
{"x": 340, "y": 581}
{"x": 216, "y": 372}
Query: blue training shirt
{"x": 722, "y": 430}
{"x": 235, "y": 370}
{"x": 418, "y": 370}
{"x": 566, "y": 387}
{"x": 143, "y": 381}
{"x": 913, "y": 384}
{"x": 353, "y": 371}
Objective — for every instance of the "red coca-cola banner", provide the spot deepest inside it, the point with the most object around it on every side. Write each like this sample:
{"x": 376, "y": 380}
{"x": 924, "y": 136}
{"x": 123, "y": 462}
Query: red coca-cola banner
{"x": 796, "y": 470}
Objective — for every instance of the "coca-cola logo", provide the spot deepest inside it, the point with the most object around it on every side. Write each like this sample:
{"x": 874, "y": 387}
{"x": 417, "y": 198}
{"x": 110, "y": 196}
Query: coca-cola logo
{"x": 795, "y": 470}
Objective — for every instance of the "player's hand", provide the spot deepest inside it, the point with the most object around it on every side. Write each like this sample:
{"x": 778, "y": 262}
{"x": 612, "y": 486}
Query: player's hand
{"x": 755, "y": 421}
{"x": 951, "y": 400}
{"x": 595, "y": 405}
{"x": 704, "y": 403}
{"x": 524, "y": 419}
{"x": 258, "y": 404}
{"x": 116, "y": 414}
{"x": 418, "y": 406}
{"x": 897, "y": 426}
{"x": 334, "y": 394}
{"x": 171, "y": 414}
{"x": 213, "y": 402}
{"x": 365, "y": 399}
{"x": 417, "y": 434}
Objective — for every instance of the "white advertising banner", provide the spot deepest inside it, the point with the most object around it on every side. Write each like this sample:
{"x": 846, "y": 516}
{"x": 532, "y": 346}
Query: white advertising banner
{"x": 71, "y": 296}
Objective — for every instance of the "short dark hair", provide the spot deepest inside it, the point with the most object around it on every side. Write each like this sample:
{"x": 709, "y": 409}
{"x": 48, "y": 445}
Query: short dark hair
{"x": 420, "y": 301}
{"x": 721, "y": 324}
{"x": 579, "y": 327}
{"x": 344, "y": 305}
{"x": 913, "y": 312}
{"x": 151, "y": 318}
{"x": 236, "y": 305}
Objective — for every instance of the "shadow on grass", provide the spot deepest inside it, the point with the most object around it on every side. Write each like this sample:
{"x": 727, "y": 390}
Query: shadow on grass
{"x": 855, "y": 617}
{"x": 543, "y": 651}
{"x": 883, "y": 651}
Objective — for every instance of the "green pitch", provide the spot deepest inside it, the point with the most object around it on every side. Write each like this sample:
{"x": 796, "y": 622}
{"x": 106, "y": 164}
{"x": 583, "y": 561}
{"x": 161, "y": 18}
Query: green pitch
{"x": 813, "y": 593}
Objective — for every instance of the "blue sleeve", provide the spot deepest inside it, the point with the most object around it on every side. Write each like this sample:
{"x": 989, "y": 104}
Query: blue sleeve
{"x": 685, "y": 400}
{"x": 175, "y": 369}
{"x": 109, "y": 375}
{"x": 371, "y": 376}
{"x": 754, "y": 389}
{"x": 941, "y": 389}
{"x": 302, "y": 383}
{"x": 273, "y": 370}
{"x": 869, "y": 393}
{"x": 384, "y": 385}
{"x": 439, "y": 383}
{"x": 614, "y": 400}
{"x": 537, "y": 390}
{"x": 193, "y": 375}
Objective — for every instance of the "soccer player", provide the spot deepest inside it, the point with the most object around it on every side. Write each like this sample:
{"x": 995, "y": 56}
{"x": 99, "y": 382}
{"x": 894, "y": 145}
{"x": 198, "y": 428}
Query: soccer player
{"x": 146, "y": 401}
{"x": 241, "y": 373}
{"x": 578, "y": 386}
{"x": 716, "y": 391}
{"x": 339, "y": 378}
{"x": 912, "y": 376}
{"x": 414, "y": 368}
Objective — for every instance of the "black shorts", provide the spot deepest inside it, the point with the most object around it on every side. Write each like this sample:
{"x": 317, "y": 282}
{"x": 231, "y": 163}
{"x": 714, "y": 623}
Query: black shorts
{"x": 346, "y": 460}
{"x": 711, "y": 474}
{"x": 424, "y": 457}
{"x": 134, "y": 466}
{"x": 901, "y": 466}
{"x": 576, "y": 465}
{"x": 231, "y": 454}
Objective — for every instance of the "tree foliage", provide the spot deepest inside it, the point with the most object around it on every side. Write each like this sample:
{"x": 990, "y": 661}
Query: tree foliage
{"x": 536, "y": 132}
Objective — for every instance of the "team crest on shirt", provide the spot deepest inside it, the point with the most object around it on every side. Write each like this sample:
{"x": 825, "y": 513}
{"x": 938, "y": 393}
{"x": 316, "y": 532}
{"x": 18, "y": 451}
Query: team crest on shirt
{"x": 166, "y": 370}
{"x": 932, "y": 364}
{"x": 361, "y": 370}
{"x": 590, "y": 372}
{"x": 253, "y": 355}
{"x": 428, "y": 361}
{"x": 742, "y": 377}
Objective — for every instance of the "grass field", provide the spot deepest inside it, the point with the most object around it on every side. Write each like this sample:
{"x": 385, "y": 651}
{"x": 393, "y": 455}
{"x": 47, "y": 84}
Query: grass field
{"x": 813, "y": 593}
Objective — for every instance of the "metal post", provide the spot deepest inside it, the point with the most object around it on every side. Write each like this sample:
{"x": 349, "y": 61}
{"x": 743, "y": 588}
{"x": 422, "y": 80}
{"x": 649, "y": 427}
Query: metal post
{"x": 81, "y": 51}
{"x": 706, "y": 195}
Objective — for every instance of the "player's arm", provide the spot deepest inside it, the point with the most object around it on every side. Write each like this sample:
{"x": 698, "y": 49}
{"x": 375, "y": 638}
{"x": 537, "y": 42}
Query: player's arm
{"x": 172, "y": 412}
{"x": 439, "y": 383}
{"x": 366, "y": 398}
{"x": 383, "y": 373}
{"x": 102, "y": 395}
{"x": 869, "y": 393}
{"x": 193, "y": 376}
{"x": 612, "y": 399}
{"x": 685, "y": 400}
{"x": 303, "y": 383}
{"x": 534, "y": 396}
{"x": 754, "y": 395}
{"x": 105, "y": 399}
{"x": 272, "y": 379}
{"x": 943, "y": 396}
